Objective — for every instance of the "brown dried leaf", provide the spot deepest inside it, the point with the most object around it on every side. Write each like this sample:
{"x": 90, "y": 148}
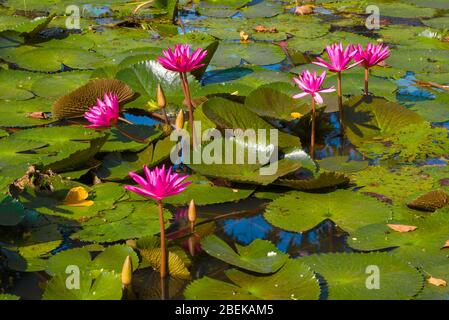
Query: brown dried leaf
{"x": 402, "y": 227}
{"x": 446, "y": 245}
{"x": 436, "y": 282}
{"x": 77, "y": 102}
{"x": 306, "y": 9}
{"x": 37, "y": 115}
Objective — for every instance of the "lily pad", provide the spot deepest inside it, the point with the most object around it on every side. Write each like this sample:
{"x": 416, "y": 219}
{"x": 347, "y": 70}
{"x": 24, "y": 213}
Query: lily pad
{"x": 204, "y": 192}
{"x": 143, "y": 221}
{"x": 116, "y": 166}
{"x": 104, "y": 196}
{"x": 111, "y": 259}
{"x": 294, "y": 281}
{"x": 259, "y": 256}
{"x": 348, "y": 276}
{"x": 12, "y": 212}
{"x": 16, "y": 114}
{"x": 232, "y": 54}
{"x": 271, "y": 103}
{"x": 299, "y": 211}
{"x": 377, "y": 118}
{"x": 396, "y": 185}
{"x": 107, "y": 286}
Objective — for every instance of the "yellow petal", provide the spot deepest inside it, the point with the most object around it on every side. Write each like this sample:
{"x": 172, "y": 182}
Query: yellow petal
{"x": 84, "y": 203}
{"x": 76, "y": 194}
{"x": 296, "y": 115}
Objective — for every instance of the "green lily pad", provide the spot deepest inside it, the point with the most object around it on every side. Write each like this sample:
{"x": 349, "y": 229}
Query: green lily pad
{"x": 6, "y": 296}
{"x": 12, "y": 212}
{"x": 421, "y": 247}
{"x": 367, "y": 120}
{"x": 231, "y": 54}
{"x": 414, "y": 142}
{"x": 348, "y": 276}
{"x": 68, "y": 147}
{"x": 322, "y": 180}
{"x": 259, "y": 256}
{"x": 16, "y": 84}
{"x": 13, "y": 159}
{"x": 16, "y": 113}
{"x": 143, "y": 221}
{"x": 396, "y": 185}
{"x": 107, "y": 286}
{"x": 403, "y": 10}
{"x": 279, "y": 286}
{"x": 231, "y": 115}
{"x": 116, "y": 166}
{"x": 420, "y": 60}
{"x": 439, "y": 23}
{"x": 205, "y": 192}
{"x": 299, "y": 211}
{"x": 104, "y": 196}
{"x": 433, "y": 110}
{"x": 264, "y": 9}
{"x": 342, "y": 164}
{"x": 59, "y": 84}
{"x": 118, "y": 142}
{"x": 271, "y": 103}
{"x": 111, "y": 259}
{"x": 51, "y": 59}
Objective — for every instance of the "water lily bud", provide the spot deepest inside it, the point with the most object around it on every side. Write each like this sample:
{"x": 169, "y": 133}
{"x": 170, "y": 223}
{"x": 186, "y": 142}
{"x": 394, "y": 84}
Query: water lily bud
{"x": 127, "y": 272}
{"x": 161, "y": 101}
{"x": 192, "y": 211}
{"x": 179, "y": 123}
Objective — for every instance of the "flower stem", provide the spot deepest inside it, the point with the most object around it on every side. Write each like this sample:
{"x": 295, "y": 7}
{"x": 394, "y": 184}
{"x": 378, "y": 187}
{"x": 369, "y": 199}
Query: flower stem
{"x": 188, "y": 101}
{"x": 164, "y": 113}
{"x": 312, "y": 137}
{"x": 163, "y": 269}
{"x": 340, "y": 97}
{"x": 366, "y": 81}
{"x": 125, "y": 120}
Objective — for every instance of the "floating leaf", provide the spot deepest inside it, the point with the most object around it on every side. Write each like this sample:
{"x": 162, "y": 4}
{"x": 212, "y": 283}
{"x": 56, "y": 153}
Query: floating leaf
{"x": 111, "y": 259}
{"x": 143, "y": 221}
{"x": 279, "y": 286}
{"x": 12, "y": 212}
{"x": 107, "y": 286}
{"x": 368, "y": 276}
{"x": 300, "y": 211}
{"x": 260, "y": 256}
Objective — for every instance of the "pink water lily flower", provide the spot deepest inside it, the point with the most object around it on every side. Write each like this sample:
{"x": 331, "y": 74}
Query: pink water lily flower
{"x": 339, "y": 58}
{"x": 372, "y": 55}
{"x": 181, "y": 59}
{"x": 158, "y": 183}
{"x": 105, "y": 114}
{"x": 311, "y": 84}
